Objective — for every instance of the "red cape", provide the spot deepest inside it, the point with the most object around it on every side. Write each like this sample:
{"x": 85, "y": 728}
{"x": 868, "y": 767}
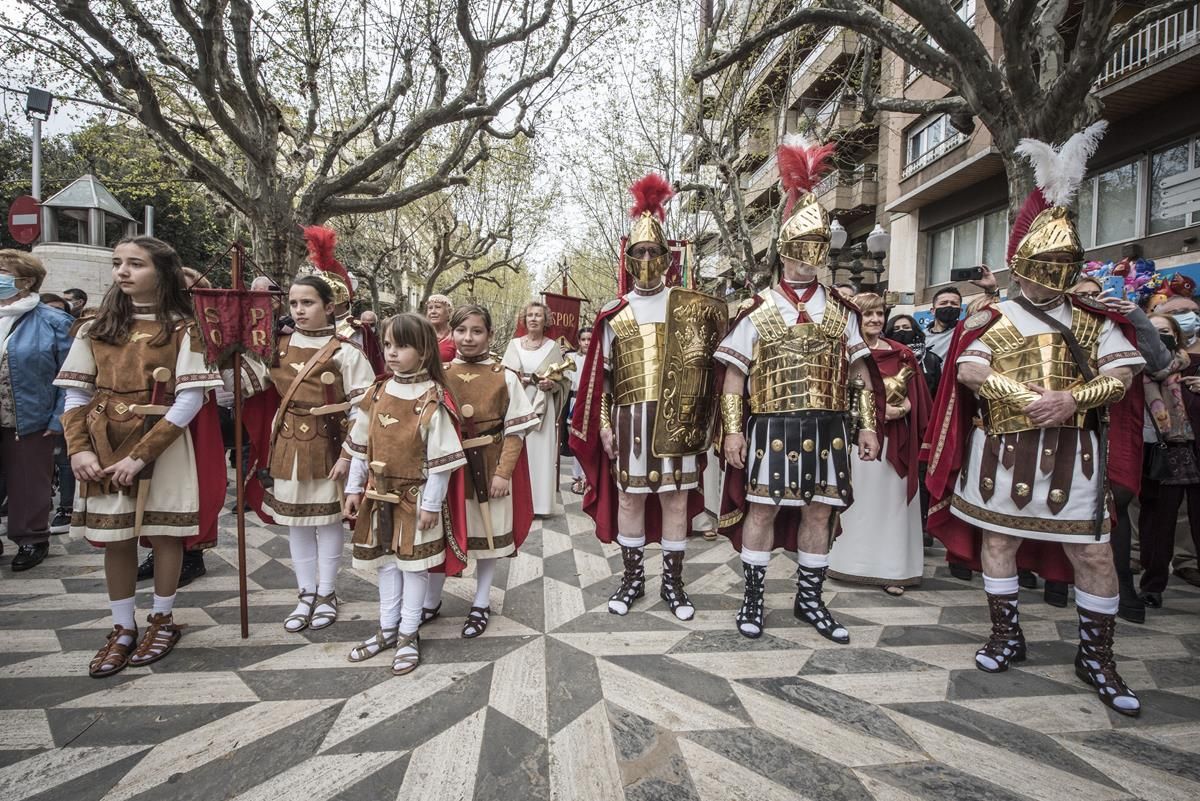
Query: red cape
{"x": 456, "y": 505}
{"x": 258, "y": 415}
{"x": 733, "y": 497}
{"x": 600, "y": 500}
{"x": 947, "y": 440}
{"x": 447, "y": 350}
{"x": 372, "y": 349}
{"x": 902, "y": 437}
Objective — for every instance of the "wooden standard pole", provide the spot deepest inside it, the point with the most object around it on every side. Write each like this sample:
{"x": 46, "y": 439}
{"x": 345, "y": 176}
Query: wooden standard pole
{"x": 239, "y": 469}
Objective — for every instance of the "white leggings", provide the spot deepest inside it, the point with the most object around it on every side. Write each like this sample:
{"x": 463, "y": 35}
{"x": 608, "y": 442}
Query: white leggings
{"x": 485, "y": 571}
{"x": 401, "y": 594}
{"x": 316, "y": 556}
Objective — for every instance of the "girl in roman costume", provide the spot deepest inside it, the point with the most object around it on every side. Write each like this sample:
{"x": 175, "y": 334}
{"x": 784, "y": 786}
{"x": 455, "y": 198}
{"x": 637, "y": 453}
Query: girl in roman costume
{"x": 311, "y": 393}
{"x": 135, "y": 380}
{"x": 495, "y": 415}
{"x": 531, "y": 356}
{"x": 407, "y": 452}
{"x": 881, "y": 541}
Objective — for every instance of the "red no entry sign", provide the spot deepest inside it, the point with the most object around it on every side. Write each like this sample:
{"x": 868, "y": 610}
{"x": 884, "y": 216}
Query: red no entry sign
{"x": 24, "y": 219}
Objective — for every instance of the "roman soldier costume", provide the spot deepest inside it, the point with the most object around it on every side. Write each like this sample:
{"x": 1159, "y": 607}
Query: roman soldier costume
{"x": 993, "y": 468}
{"x": 796, "y": 345}
{"x": 648, "y": 378}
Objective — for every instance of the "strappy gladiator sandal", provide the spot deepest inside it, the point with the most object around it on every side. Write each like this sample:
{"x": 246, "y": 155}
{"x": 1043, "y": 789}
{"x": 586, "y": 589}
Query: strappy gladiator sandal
{"x": 1094, "y": 663}
{"x": 810, "y": 607}
{"x": 403, "y": 664}
{"x": 1006, "y": 645}
{"x": 297, "y": 622}
{"x": 477, "y": 621}
{"x": 750, "y": 618}
{"x": 633, "y": 582}
{"x": 157, "y": 641}
{"x": 380, "y": 641}
{"x": 114, "y": 655}
{"x": 672, "y": 591}
{"x": 429, "y": 615}
{"x": 323, "y": 620}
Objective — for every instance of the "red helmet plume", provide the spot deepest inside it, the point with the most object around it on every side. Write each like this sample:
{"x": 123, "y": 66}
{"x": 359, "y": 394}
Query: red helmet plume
{"x": 801, "y": 166}
{"x": 650, "y": 193}
{"x": 321, "y": 242}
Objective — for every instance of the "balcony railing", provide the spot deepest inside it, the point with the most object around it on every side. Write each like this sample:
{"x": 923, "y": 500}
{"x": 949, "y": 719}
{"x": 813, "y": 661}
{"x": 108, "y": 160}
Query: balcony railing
{"x": 847, "y": 177}
{"x": 933, "y": 154}
{"x": 767, "y": 173}
{"x": 1154, "y": 42}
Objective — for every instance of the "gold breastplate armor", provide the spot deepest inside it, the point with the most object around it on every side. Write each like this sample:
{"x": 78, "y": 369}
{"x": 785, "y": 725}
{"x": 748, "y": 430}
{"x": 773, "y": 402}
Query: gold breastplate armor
{"x": 636, "y": 359}
{"x": 802, "y": 367}
{"x": 1040, "y": 359}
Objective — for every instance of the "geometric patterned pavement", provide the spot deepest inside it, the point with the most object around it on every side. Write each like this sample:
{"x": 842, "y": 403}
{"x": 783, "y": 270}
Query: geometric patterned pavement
{"x": 562, "y": 700}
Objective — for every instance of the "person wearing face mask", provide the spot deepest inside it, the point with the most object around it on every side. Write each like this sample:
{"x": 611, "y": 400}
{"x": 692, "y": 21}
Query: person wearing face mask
{"x": 946, "y": 308}
{"x": 1187, "y": 314}
{"x": 34, "y": 342}
{"x": 791, "y": 358}
{"x": 1019, "y": 467}
{"x": 1172, "y": 470}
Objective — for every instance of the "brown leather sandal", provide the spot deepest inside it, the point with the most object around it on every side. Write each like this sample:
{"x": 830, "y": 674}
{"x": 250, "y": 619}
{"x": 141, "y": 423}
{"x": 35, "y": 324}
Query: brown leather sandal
{"x": 158, "y": 640}
{"x": 114, "y": 656}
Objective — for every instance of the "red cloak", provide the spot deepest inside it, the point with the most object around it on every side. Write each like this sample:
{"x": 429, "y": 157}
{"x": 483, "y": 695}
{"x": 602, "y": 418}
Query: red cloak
{"x": 456, "y": 506}
{"x": 902, "y": 437}
{"x": 947, "y": 440}
{"x": 600, "y": 500}
{"x": 733, "y": 496}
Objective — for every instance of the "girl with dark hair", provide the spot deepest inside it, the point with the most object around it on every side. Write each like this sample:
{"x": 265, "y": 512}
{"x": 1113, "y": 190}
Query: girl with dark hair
{"x": 406, "y": 449}
{"x": 319, "y": 378}
{"x": 495, "y": 414}
{"x": 135, "y": 379}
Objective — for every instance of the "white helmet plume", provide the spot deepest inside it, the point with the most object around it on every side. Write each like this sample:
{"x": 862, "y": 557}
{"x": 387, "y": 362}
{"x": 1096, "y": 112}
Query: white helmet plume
{"x": 1058, "y": 171}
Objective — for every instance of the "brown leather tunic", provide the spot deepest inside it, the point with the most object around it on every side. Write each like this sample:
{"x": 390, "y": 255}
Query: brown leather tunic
{"x": 311, "y": 442}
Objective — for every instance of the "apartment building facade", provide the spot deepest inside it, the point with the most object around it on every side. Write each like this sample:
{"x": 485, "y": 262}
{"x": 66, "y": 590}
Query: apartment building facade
{"x": 942, "y": 194}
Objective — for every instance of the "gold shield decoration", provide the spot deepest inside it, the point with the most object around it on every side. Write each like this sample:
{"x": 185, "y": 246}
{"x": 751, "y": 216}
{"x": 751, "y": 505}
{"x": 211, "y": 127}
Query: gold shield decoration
{"x": 695, "y": 326}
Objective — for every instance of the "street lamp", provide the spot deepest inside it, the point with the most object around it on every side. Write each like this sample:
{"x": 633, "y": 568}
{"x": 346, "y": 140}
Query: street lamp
{"x": 874, "y": 249}
{"x": 837, "y": 237}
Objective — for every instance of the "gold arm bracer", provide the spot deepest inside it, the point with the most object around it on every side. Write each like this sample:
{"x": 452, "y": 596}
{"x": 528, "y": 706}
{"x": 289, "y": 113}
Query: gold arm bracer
{"x": 1001, "y": 388}
{"x": 1100, "y": 391}
{"x": 864, "y": 399}
{"x": 605, "y": 410}
{"x": 731, "y": 413}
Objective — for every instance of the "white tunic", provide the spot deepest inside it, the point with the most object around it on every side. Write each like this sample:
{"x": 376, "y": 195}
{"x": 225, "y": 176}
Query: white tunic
{"x": 737, "y": 350}
{"x": 882, "y": 539}
{"x": 647, "y": 310}
{"x": 1074, "y": 522}
{"x": 541, "y": 443}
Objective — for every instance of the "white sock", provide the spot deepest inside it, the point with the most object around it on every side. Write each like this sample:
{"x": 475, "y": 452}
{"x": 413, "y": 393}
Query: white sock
{"x": 390, "y": 588}
{"x": 330, "y": 541}
{"x": 124, "y": 613}
{"x": 1086, "y": 602}
{"x": 576, "y": 470}
{"x": 1000, "y": 586}
{"x": 415, "y": 585}
{"x": 485, "y": 571}
{"x": 674, "y": 545}
{"x": 163, "y": 605}
{"x": 302, "y": 541}
{"x": 812, "y": 560}
{"x": 632, "y": 540}
{"x": 433, "y": 592}
{"x": 756, "y": 558}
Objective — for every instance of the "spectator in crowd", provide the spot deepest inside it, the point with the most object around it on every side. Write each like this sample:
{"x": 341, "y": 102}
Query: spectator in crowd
{"x": 369, "y": 319}
{"x": 437, "y": 312}
{"x": 1187, "y": 313}
{"x": 881, "y": 538}
{"x": 34, "y": 342}
{"x": 78, "y": 300}
{"x": 193, "y": 279}
{"x": 1172, "y": 471}
{"x": 56, "y": 302}
{"x": 946, "y": 308}
{"x": 578, "y": 482}
{"x": 846, "y": 290}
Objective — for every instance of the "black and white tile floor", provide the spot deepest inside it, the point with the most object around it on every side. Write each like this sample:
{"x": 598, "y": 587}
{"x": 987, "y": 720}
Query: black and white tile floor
{"x": 562, "y": 700}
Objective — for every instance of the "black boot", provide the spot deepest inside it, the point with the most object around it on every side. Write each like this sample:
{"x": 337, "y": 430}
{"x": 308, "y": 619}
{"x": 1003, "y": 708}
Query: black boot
{"x": 1007, "y": 643}
{"x": 146, "y": 568}
{"x": 960, "y": 571}
{"x": 810, "y": 608}
{"x": 633, "y": 582}
{"x": 1131, "y": 607}
{"x": 1094, "y": 663}
{"x": 1027, "y": 579}
{"x": 192, "y": 568}
{"x": 672, "y": 586}
{"x": 1055, "y": 593}
{"x": 750, "y": 617}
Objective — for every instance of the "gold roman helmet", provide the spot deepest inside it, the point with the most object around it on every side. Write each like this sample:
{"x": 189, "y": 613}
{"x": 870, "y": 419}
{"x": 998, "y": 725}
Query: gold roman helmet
{"x": 341, "y": 293}
{"x": 321, "y": 242}
{"x": 804, "y": 235}
{"x": 1045, "y": 247}
{"x": 650, "y": 196}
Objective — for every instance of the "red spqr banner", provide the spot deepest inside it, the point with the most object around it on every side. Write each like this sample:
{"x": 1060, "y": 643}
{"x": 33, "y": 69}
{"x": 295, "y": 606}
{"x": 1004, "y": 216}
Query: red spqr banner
{"x": 562, "y": 320}
{"x": 235, "y": 320}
